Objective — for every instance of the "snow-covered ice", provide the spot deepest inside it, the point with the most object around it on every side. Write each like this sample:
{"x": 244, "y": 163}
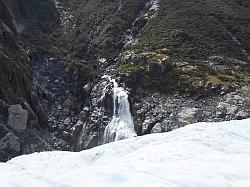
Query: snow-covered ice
{"x": 198, "y": 155}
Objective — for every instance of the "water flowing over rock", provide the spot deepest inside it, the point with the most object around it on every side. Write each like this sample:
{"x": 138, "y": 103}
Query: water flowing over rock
{"x": 121, "y": 125}
{"x": 65, "y": 16}
{"x": 80, "y": 140}
{"x": 149, "y": 12}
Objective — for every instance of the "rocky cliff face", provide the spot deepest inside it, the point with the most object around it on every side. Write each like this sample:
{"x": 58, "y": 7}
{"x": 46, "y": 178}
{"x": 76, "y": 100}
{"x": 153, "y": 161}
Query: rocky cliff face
{"x": 181, "y": 62}
{"x": 20, "y": 127}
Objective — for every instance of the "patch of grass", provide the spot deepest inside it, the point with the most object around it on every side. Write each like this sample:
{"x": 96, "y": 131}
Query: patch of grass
{"x": 227, "y": 78}
{"x": 190, "y": 77}
{"x": 214, "y": 80}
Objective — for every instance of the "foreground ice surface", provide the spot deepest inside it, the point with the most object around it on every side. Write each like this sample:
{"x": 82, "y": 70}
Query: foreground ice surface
{"x": 202, "y": 154}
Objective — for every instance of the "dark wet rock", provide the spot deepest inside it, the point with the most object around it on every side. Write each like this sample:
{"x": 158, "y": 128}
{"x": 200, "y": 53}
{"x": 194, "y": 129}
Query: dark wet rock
{"x": 140, "y": 59}
{"x": 242, "y": 115}
{"x": 10, "y": 145}
{"x": 176, "y": 111}
{"x": 10, "y": 141}
{"x": 84, "y": 113}
{"x": 161, "y": 66}
{"x": 3, "y": 111}
{"x": 92, "y": 141}
{"x": 67, "y": 136}
{"x": 36, "y": 110}
{"x": 148, "y": 124}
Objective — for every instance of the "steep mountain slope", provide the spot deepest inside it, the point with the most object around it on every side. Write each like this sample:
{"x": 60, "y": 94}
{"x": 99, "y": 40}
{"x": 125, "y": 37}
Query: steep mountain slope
{"x": 197, "y": 34}
{"x": 99, "y": 27}
{"x": 17, "y": 19}
{"x": 198, "y": 29}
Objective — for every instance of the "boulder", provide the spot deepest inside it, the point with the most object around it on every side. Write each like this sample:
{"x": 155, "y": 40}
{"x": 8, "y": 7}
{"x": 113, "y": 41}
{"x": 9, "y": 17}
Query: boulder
{"x": 148, "y": 124}
{"x": 67, "y": 121}
{"x": 157, "y": 128}
{"x": 242, "y": 115}
{"x": 18, "y": 117}
{"x": 187, "y": 116}
{"x": 230, "y": 110}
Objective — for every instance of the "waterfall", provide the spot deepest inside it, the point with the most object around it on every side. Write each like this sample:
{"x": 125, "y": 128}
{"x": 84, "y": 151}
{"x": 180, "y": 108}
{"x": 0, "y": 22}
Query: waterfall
{"x": 80, "y": 140}
{"x": 121, "y": 125}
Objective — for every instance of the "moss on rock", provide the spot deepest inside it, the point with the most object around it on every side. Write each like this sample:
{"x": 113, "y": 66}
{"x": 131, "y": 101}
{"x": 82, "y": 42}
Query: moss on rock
{"x": 191, "y": 77}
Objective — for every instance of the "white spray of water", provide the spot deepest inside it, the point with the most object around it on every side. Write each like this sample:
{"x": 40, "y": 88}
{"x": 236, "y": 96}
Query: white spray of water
{"x": 121, "y": 125}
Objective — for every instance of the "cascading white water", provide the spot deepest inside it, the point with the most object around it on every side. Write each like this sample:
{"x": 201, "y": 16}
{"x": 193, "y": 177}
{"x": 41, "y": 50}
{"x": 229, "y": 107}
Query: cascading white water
{"x": 121, "y": 125}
